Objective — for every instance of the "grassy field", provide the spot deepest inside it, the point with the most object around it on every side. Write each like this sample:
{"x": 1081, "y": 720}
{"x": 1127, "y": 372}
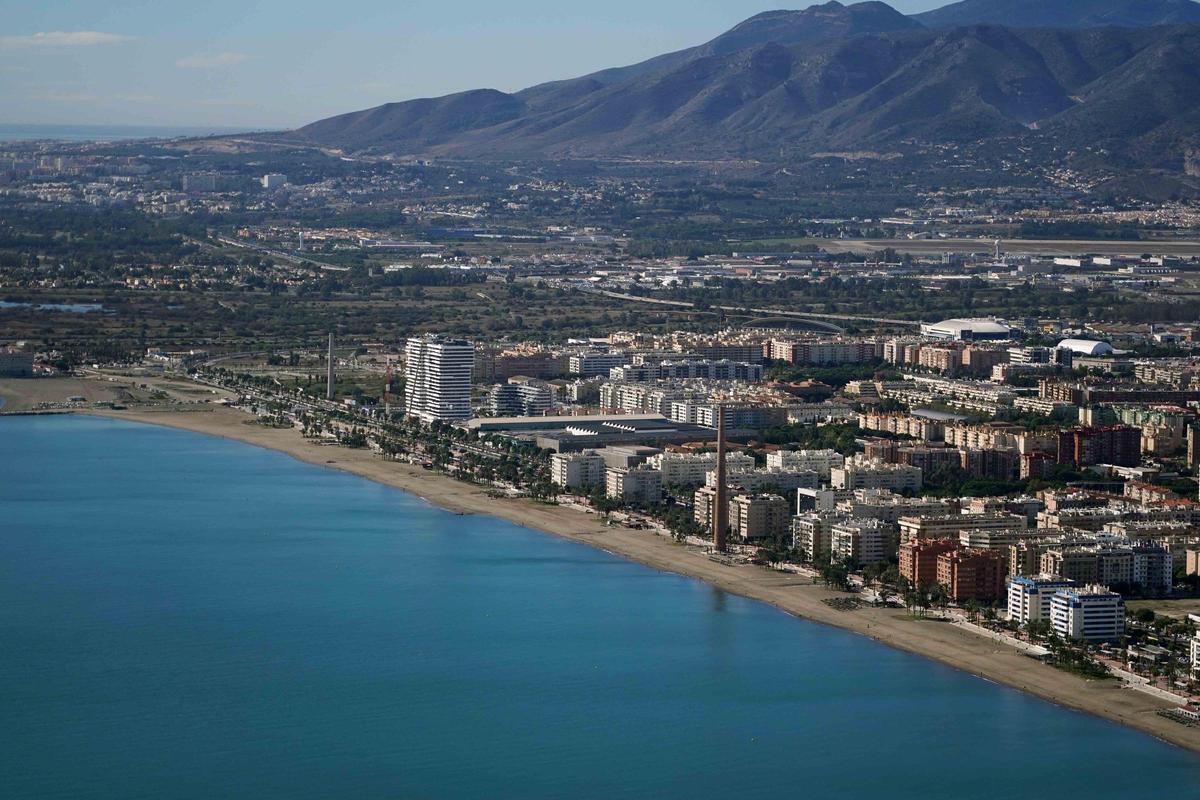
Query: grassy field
{"x": 1170, "y": 608}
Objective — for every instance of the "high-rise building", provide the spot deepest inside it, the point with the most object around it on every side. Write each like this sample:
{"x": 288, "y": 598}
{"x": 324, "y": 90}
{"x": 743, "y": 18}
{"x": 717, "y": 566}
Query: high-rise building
{"x": 438, "y": 378}
{"x": 1092, "y": 613}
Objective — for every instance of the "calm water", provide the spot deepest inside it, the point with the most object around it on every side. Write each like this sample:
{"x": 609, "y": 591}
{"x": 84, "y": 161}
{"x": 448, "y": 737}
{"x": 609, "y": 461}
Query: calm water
{"x": 103, "y": 133}
{"x": 186, "y": 617}
{"x": 70, "y": 308}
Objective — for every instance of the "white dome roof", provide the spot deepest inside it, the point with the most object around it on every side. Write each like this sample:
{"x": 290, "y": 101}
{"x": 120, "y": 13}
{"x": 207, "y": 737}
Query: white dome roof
{"x": 1086, "y": 347}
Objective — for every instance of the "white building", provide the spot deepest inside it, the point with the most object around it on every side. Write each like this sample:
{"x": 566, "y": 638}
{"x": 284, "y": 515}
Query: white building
{"x": 593, "y": 364}
{"x": 758, "y": 480}
{"x": 690, "y": 469}
{"x": 274, "y": 180}
{"x": 634, "y": 484}
{"x": 1195, "y": 646}
{"x": 529, "y": 399}
{"x": 758, "y": 516}
{"x": 1090, "y": 613}
{"x": 870, "y": 474}
{"x": 581, "y": 470}
{"x": 438, "y": 378}
{"x": 1029, "y": 598}
{"x": 866, "y": 541}
{"x": 818, "y": 461}
{"x": 812, "y": 534}
{"x": 967, "y": 330}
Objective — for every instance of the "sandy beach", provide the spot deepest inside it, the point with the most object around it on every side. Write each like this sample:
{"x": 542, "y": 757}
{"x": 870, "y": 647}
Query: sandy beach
{"x": 945, "y": 642}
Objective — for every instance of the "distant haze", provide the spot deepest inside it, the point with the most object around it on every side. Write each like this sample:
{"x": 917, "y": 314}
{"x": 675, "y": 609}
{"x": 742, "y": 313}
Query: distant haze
{"x": 278, "y": 63}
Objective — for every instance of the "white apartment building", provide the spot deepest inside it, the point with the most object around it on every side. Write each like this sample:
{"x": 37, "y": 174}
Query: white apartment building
{"x": 587, "y": 365}
{"x": 757, "y": 480}
{"x": 691, "y": 469}
{"x": 633, "y": 484}
{"x": 1029, "y": 598}
{"x": 438, "y": 378}
{"x": 812, "y": 534}
{"x": 860, "y": 473}
{"x": 890, "y": 507}
{"x": 579, "y": 471}
{"x": 1089, "y": 613}
{"x": 818, "y": 461}
{"x": 758, "y": 516}
{"x": 867, "y": 541}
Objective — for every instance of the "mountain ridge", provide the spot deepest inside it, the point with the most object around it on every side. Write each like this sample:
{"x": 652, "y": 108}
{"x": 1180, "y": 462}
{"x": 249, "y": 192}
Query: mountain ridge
{"x": 786, "y": 83}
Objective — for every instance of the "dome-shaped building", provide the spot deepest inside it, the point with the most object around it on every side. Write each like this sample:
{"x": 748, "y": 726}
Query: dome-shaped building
{"x": 1086, "y": 347}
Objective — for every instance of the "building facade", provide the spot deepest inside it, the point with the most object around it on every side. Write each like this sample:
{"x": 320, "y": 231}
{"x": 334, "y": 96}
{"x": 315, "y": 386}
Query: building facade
{"x": 438, "y": 378}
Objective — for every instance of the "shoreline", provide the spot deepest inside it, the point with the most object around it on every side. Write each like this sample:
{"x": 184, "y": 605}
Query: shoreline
{"x": 944, "y": 642}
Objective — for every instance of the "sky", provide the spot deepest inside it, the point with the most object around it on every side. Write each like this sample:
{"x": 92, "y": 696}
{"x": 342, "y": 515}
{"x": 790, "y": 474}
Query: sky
{"x": 260, "y": 64}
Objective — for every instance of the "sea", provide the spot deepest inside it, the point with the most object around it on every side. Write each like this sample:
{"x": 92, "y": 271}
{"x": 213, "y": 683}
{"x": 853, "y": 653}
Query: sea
{"x": 11, "y": 132}
{"x": 183, "y": 616}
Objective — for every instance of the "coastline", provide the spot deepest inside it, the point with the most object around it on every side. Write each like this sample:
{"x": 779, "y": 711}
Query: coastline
{"x": 944, "y": 642}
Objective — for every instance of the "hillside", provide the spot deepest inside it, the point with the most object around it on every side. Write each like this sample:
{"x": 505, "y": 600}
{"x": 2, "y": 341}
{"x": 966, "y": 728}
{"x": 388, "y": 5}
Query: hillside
{"x": 785, "y": 84}
{"x": 1063, "y": 13}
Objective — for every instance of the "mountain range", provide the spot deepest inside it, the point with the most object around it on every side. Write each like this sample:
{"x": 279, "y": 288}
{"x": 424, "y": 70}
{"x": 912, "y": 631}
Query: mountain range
{"x": 1123, "y": 75}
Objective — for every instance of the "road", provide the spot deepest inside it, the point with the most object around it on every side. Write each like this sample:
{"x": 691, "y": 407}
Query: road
{"x": 292, "y": 257}
{"x": 1031, "y": 247}
{"x": 810, "y": 316}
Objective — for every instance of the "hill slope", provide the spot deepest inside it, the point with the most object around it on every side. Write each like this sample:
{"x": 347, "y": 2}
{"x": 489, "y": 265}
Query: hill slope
{"x": 1063, "y": 13}
{"x": 785, "y": 84}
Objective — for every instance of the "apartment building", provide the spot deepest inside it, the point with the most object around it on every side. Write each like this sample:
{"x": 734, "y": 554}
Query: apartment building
{"x": 1090, "y": 613}
{"x": 866, "y": 541}
{"x": 577, "y": 471}
{"x": 866, "y": 474}
{"x": 438, "y": 373}
{"x": 690, "y": 469}
{"x": 951, "y": 525}
{"x": 1029, "y": 597}
{"x": 919, "y": 559}
{"x": 972, "y": 574}
{"x": 634, "y": 484}
{"x": 812, "y": 534}
{"x": 759, "y": 516}
{"x": 818, "y": 461}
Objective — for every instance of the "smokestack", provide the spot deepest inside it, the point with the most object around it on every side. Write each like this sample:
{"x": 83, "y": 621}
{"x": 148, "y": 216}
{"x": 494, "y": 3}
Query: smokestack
{"x": 329, "y": 374}
{"x": 721, "y": 512}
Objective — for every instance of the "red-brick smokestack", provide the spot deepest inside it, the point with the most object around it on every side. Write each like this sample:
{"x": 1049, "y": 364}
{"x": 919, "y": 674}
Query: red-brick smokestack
{"x": 721, "y": 512}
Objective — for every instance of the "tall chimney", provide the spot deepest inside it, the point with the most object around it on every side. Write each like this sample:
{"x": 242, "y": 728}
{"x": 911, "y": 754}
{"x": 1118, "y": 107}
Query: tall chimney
{"x": 721, "y": 512}
{"x": 329, "y": 373}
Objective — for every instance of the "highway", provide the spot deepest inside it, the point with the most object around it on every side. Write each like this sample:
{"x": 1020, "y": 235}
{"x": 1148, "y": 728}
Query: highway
{"x": 766, "y": 312}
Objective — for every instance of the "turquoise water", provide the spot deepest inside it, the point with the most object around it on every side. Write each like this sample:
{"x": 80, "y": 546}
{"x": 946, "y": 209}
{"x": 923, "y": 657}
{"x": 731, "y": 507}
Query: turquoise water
{"x": 188, "y": 617}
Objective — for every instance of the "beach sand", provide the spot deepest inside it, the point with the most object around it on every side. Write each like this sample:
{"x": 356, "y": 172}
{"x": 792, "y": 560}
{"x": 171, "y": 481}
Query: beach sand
{"x": 941, "y": 641}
